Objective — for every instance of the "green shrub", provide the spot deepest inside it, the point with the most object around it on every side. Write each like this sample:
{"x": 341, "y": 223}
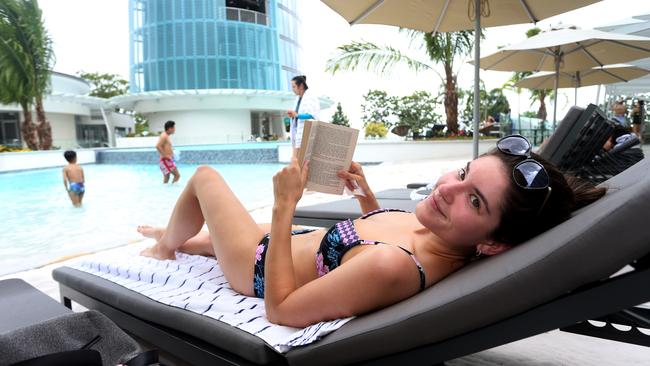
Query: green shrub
{"x": 376, "y": 129}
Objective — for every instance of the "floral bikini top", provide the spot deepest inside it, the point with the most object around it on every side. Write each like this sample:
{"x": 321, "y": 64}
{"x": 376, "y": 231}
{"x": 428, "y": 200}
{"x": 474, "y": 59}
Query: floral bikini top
{"x": 342, "y": 237}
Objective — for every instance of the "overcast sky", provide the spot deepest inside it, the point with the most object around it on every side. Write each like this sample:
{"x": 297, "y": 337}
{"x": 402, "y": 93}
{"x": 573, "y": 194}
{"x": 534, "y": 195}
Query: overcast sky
{"x": 93, "y": 35}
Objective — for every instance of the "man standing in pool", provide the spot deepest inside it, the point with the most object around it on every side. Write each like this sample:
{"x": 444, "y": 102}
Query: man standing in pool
{"x": 164, "y": 147}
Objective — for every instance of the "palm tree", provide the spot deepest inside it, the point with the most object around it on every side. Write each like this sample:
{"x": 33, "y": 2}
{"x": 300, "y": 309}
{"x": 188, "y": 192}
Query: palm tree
{"x": 14, "y": 77}
{"x": 27, "y": 58}
{"x": 440, "y": 47}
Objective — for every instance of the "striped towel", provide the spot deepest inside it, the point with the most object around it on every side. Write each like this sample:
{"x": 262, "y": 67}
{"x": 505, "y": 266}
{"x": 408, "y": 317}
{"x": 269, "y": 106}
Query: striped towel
{"x": 196, "y": 283}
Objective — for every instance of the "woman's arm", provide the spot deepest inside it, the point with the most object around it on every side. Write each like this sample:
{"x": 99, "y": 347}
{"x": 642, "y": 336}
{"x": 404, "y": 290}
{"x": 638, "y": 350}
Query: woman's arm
{"x": 373, "y": 279}
{"x": 305, "y": 116}
{"x": 367, "y": 201}
{"x": 279, "y": 278}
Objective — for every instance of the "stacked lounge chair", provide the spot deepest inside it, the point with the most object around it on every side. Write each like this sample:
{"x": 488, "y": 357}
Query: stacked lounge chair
{"x": 554, "y": 280}
{"x": 576, "y": 146}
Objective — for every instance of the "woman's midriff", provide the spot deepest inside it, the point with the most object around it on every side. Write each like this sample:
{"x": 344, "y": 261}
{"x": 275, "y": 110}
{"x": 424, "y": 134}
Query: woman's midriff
{"x": 303, "y": 249}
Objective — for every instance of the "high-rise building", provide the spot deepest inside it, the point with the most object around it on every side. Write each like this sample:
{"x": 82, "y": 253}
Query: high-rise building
{"x": 220, "y": 68}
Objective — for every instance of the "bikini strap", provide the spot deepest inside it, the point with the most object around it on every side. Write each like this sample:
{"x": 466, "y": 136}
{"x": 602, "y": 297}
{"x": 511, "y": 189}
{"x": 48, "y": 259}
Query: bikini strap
{"x": 417, "y": 262}
{"x": 381, "y": 210}
{"x": 420, "y": 269}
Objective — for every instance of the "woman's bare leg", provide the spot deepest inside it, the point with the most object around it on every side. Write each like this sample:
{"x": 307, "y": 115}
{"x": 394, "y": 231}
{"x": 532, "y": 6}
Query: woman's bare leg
{"x": 233, "y": 232}
{"x": 199, "y": 244}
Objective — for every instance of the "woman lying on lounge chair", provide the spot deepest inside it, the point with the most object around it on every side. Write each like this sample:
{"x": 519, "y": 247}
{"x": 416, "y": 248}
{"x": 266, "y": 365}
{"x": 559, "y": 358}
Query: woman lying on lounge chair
{"x": 499, "y": 200}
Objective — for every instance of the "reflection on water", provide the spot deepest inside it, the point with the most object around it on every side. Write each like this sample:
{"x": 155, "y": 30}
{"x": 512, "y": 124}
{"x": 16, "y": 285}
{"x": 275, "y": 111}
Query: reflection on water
{"x": 39, "y": 223}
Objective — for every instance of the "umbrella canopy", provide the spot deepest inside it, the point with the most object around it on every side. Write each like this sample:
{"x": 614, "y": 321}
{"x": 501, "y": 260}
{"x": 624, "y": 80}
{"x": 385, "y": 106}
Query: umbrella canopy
{"x": 452, "y": 15}
{"x": 596, "y": 76}
{"x": 449, "y": 15}
{"x": 568, "y": 50}
{"x": 576, "y": 49}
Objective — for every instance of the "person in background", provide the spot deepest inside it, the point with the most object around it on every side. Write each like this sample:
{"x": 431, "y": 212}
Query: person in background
{"x": 620, "y": 112}
{"x": 307, "y": 107}
{"x": 166, "y": 152}
{"x": 638, "y": 118}
{"x": 486, "y": 126}
{"x": 619, "y": 135}
{"x": 73, "y": 178}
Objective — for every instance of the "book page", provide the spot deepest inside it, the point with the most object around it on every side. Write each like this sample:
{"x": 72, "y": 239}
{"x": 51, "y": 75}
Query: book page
{"x": 329, "y": 149}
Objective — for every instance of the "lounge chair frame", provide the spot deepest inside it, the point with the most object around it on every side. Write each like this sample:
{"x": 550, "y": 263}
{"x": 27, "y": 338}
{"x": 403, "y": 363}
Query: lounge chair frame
{"x": 177, "y": 344}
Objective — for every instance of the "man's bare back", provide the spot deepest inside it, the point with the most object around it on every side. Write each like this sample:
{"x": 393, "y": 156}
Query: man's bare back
{"x": 74, "y": 173}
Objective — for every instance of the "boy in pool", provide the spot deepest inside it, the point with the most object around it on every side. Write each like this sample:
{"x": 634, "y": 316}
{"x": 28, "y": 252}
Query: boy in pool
{"x": 73, "y": 178}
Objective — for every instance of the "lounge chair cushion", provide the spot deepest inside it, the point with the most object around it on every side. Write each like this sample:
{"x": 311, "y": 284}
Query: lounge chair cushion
{"x": 329, "y": 213}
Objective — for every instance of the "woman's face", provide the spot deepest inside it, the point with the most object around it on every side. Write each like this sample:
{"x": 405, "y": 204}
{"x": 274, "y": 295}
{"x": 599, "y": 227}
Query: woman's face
{"x": 297, "y": 90}
{"x": 465, "y": 206}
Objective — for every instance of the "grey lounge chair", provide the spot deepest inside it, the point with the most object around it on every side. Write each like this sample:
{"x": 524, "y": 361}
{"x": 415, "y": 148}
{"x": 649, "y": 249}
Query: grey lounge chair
{"x": 555, "y": 280}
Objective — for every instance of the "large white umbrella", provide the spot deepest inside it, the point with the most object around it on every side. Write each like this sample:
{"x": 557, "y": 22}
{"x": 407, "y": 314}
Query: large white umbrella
{"x": 595, "y": 76}
{"x": 568, "y": 50}
{"x": 453, "y": 15}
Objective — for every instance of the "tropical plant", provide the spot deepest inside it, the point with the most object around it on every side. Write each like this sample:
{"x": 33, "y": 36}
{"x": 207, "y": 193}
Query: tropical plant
{"x": 497, "y": 103}
{"x": 105, "y": 85}
{"x": 26, "y": 57}
{"x": 416, "y": 111}
{"x": 440, "y": 47}
{"x": 377, "y": 107}
{"x": 376, "y": 129}
{"x": 339, "y": 118}
{"x": 141, "y": 124}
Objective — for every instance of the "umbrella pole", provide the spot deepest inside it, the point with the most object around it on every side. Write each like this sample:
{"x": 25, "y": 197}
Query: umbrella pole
{"x": 575, "y": 96}
{"x": 477, "y": 56}
{"x": 557, "y": 82}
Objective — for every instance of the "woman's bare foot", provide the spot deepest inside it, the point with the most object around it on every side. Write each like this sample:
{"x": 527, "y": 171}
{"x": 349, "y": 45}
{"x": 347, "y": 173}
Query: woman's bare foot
{"x": 151, "y": 232}
{"x": 159, "y": 251}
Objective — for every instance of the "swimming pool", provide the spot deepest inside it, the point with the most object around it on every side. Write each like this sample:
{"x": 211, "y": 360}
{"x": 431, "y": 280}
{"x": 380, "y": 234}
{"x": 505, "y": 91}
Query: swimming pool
{"x": 40, "y": 225}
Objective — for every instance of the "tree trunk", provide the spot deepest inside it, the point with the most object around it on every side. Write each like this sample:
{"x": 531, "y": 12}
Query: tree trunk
{"x": 541, "y": 112}
{"x": 44, "y": 128}
{"x": 28, "y": 129}
{"x": 451, "y": 101}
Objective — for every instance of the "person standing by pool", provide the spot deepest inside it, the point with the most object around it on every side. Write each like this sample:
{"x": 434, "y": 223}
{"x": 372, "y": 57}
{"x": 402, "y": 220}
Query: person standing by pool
{"x": 307, "y": 107}
{"x": 73, "y": 178}
{"x": 164, "y": 147}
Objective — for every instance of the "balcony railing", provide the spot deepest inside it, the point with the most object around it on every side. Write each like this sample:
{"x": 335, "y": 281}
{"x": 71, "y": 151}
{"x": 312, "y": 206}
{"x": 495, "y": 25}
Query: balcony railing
{"x": 248, "y": 16}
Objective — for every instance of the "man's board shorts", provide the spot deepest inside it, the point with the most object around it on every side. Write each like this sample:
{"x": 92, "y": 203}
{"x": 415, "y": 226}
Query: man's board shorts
{"x": 167, "y": 165}
{"x": 77, "y": 188}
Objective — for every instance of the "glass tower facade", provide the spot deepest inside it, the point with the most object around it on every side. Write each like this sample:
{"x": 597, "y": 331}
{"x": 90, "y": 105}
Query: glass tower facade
{"x": 213, "y": 44}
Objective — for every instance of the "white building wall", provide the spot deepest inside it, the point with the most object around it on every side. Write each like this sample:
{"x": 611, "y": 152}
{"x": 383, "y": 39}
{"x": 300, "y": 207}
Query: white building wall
{"x": 204, "y": 126}
{"x": 64, "y": 133}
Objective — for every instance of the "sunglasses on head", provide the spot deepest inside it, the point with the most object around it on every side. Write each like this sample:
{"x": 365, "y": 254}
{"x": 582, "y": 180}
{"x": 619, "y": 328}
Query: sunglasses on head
{"x": 528, "y": 174}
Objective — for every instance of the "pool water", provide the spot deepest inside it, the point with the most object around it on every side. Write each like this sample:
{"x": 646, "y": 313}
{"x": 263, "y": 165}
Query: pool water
{"x": 39, "y": 224}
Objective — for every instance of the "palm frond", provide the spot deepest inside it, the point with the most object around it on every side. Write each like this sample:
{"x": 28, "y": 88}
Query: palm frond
{"x": 371, "y": 57}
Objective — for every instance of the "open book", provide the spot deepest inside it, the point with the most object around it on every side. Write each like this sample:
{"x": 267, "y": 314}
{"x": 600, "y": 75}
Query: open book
{"x": 329, "y": 149}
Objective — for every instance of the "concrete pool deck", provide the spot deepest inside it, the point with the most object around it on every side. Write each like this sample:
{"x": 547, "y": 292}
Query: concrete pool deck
{"x": 551, "y": 348}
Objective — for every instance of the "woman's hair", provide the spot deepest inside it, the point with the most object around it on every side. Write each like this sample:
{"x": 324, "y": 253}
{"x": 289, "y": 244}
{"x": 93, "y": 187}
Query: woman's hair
{"x": 522, "y": 218}
{"x": 300, "y": 80}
